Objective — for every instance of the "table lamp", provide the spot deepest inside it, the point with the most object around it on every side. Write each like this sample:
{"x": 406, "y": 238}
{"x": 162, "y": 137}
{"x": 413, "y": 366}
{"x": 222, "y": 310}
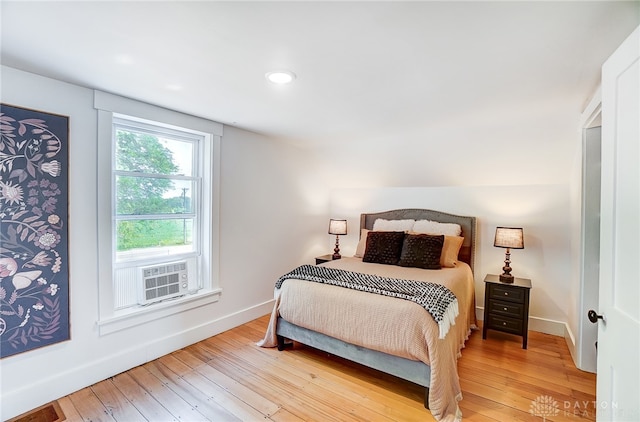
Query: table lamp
{"x": 510, "y": 238}
{"x": 339, "y": 228}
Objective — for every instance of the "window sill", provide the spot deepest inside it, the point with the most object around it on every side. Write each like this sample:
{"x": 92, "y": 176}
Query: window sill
{"x": 131, "y": 317}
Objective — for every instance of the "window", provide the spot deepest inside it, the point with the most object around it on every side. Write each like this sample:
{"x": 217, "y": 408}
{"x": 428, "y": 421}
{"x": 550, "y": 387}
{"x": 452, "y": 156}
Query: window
{"x": 158, "y": 211}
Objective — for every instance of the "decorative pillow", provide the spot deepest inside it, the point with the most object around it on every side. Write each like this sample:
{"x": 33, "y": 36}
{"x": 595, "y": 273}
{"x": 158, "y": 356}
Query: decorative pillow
{"x": 383, "y": 247}
{"x": 393, "y": 225}
{"x": 433, "y": 227}
{"x": 421, "y": 251}
{"x": 450, "y": 250}
{"x": 362, "y": 243}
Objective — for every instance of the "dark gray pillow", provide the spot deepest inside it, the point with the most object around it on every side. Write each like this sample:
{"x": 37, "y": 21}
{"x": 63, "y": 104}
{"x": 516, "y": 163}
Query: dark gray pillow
{"x": 421, "y": 251}
{"x": 383, "y": 247}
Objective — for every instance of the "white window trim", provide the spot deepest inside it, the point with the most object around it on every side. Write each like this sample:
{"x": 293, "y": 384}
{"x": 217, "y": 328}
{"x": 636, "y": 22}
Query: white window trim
{"x": 110, "y": 320}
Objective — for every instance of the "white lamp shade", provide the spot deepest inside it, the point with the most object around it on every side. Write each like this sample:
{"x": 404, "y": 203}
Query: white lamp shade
{"x": 509, "y": 237}
{"x": 337, "y": 227}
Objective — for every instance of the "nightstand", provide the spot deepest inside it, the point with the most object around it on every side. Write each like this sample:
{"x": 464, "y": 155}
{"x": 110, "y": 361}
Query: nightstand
{"x": 324, "y": 258}
{"x": 506, "y": 306}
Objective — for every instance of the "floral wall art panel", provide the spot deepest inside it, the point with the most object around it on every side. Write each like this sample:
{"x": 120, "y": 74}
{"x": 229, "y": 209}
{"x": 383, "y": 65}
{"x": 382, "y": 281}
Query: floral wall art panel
{"x": 34, "y": 264}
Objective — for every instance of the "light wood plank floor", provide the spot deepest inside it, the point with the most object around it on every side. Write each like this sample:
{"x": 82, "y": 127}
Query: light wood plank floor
{"x": 228, "y": 378}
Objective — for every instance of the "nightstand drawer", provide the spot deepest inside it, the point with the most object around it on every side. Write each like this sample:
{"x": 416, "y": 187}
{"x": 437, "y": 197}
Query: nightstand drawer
{"x": 506, "y": 292}
{"x": 506, "y": 324}
{"x": 511, "y": 309}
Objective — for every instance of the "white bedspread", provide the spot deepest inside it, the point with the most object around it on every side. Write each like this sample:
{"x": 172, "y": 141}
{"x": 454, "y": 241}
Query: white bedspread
{"x": 394, "y": 326}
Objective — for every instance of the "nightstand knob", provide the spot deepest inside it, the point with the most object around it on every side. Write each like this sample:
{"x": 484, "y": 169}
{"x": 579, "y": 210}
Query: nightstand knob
{"x": 505, "y": 309}
{"x": 504, "y": 323}
{"x": 506, "y": 293}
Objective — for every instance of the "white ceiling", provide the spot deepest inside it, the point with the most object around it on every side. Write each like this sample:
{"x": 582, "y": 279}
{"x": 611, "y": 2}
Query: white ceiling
{"x": 363, "y": 68}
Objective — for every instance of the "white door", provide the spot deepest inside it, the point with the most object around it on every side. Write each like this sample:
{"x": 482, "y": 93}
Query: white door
{"x": 618, "y": 379}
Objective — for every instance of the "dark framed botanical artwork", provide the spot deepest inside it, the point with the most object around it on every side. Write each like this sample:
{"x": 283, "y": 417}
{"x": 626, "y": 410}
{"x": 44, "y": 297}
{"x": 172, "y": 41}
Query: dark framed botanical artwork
{"x": 34, "y": 262}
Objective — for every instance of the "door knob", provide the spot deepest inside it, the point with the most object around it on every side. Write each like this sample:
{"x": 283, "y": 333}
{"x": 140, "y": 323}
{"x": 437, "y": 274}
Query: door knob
{"x": 593, "y": 316}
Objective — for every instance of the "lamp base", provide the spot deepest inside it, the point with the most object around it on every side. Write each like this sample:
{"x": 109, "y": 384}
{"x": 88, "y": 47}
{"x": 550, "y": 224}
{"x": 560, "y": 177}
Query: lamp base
{"x": 506, "y": 278}
{"x": 336, "y": 250}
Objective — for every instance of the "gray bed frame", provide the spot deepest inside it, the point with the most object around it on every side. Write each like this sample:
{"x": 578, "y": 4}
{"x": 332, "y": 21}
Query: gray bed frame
{"x": 410, "y": 370}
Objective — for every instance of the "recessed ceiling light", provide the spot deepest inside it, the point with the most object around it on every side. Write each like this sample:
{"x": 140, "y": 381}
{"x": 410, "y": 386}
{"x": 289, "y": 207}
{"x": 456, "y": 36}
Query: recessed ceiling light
{"x": 280, "y": 77}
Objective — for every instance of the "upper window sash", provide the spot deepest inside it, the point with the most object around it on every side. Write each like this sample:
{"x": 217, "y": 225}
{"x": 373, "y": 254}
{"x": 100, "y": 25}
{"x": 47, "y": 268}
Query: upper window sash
{"x": 190, "y": 142}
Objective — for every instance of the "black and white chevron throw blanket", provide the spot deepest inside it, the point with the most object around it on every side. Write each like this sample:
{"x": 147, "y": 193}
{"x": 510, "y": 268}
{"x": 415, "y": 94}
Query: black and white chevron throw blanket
{"x": 436, "y": 299}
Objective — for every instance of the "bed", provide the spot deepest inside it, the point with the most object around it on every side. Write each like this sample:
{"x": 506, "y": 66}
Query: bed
{"x": 418, "y": 351}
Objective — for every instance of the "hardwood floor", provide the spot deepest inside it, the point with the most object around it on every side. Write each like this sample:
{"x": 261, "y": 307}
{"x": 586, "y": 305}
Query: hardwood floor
{"x": 228, "y": 378}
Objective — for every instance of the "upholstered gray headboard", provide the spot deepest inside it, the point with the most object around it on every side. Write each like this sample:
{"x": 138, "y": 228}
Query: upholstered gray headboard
{"x": 468, "y": 225}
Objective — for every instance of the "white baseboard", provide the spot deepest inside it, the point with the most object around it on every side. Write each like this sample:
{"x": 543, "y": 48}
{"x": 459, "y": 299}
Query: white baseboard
{"x": 548, "y": 326}
{"x": 571, "y": 344}
{"x": 28, "y": 397}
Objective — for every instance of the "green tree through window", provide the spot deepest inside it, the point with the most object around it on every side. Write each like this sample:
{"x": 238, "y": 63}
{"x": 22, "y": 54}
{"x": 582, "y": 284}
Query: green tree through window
{"x": 144, "y": 188}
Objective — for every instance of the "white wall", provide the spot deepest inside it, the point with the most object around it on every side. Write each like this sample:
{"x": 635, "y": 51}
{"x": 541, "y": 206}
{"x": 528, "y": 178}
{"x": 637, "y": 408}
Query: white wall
{"x": 501, "y": 144}
{"x": 273, "y": 214}
{"x": 272, "y": 218}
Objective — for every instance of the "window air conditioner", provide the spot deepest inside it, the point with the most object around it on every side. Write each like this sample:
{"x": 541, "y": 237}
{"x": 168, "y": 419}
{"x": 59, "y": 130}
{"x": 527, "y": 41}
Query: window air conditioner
{"x": 163, "y": 281}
